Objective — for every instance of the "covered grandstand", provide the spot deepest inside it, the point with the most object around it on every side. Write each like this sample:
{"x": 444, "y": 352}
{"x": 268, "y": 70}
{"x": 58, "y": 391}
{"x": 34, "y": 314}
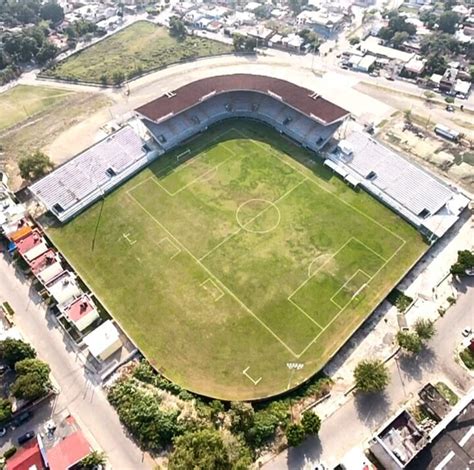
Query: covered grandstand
{"x": 295, "y": 111}
{"x": 418, "y": 196}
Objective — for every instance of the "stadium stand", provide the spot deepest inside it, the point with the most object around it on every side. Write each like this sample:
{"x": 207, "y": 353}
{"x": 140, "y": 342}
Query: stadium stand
{"x": 418, "y": 196}
{"x": 87, "y": 177}
{"x": 295, "y": 111}
{"x": 422, "y": 199}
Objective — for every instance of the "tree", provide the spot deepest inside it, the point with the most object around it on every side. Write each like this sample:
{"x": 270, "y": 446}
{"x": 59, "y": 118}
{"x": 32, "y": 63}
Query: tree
{"x": 242, "y": 416}
{"x": 436, "y": 63}
{"x": 262, "y": 12}
{"x": 15, "y": 350}
{"x": 354, "y": 40}
{"x": 464, "y": 262}
{"x": 104, "y": 79}
{"x": 407, "y": 115}
{"x": 53, "y": 12}
{"x": 429, "y": 18}
{"x": 5, "y": 410}
{"x": 177, "y": 28}
{"x": 34, "y": 166}
{"x": 33, "y": 366}
{"x": 448, "y": 21}
{"x": 399, "y": 39}
{"x": 46, "y": 53}
{"x": 200, "y": 449}
{"x": 118, "y": 77}
{"x": 410, "y": 342}
{"x": 93, "y": 461}
{"x": 371, "y": 376}
{"x": 32, "y": 380}
{"x": 425, "y": 329}
{"x": 295, "y": 434}
{"x": 244, "y": 43}
{"x": 311, "y": 423}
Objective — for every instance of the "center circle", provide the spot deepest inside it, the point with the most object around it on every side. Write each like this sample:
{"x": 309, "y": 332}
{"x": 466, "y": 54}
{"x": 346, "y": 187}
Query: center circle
{"x": 250, "y": 211}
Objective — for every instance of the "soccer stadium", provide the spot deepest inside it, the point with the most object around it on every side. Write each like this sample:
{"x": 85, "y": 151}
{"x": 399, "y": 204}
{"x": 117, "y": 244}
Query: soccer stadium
{"x": 233, "y": 239}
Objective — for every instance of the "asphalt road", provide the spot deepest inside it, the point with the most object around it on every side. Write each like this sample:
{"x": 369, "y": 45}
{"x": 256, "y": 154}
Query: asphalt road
{"x": 79, "y": 393}
{"x": 352, "y": 425}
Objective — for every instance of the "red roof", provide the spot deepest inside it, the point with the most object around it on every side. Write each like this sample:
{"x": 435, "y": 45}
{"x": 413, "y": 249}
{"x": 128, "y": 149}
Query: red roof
{"x": 69, "y": 451}
{"x": 29, "y": 242}
{"x": 26, "y": 457}
{"x": 44, "y": 260}
{"x": 306, "y": 101}
{"x": 80, "y": 308}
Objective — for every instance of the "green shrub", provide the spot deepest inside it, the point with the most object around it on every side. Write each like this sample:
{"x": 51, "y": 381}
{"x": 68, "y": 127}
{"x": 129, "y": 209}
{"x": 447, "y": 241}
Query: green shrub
{"x": 9, "y": 452}
{"x": 467, "y": 357}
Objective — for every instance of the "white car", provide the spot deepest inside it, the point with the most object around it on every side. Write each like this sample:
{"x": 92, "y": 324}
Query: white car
{"x": 467, "y": 332}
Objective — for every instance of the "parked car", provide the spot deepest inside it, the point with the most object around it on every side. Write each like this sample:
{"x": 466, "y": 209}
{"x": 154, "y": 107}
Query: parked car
{"x": 450, "y": 108}
{"x": 3, "y": 431}
{"x": 22, "y": 418}
{"x": 25, "y": 437}
{"x": 467, "y": 331}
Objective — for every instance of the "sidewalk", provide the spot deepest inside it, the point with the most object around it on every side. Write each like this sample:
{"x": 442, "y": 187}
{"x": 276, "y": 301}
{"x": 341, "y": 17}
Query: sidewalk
{"x": 80, "y": 393}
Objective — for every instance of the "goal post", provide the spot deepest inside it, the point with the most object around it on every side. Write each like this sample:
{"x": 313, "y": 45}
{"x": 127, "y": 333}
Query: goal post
{"x": 183, "y": 155}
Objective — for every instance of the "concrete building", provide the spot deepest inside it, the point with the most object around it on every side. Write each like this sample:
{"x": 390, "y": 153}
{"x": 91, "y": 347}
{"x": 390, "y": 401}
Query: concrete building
{"x": 64, "y": 289}
{"x": 373, "y": 46}
{"x": 103, "y": 341}
{"x": 82, "y": 312}
{"x": 398, "y": 442}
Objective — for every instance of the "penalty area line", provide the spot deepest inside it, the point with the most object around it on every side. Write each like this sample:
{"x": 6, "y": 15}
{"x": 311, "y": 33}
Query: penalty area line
{"x": 254, "y": 381}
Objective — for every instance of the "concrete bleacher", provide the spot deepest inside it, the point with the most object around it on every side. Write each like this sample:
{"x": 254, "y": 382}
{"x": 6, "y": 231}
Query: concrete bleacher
{"x": 425, "y": 201}
{"x": 79, "y": 182}
{"x": 242, "y": 104}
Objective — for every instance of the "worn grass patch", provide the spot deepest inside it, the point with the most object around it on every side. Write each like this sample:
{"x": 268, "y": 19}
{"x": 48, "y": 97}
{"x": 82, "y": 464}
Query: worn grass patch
{"x": 141, "y": 47}
{"x": 23, "y": 102}
{"x": 242, "y": 270}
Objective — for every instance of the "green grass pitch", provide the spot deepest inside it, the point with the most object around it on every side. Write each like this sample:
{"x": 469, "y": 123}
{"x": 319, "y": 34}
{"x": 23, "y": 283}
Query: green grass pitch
{"x": 236, "y": 256}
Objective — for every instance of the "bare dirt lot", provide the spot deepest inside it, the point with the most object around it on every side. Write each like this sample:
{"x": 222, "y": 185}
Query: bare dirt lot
{"x": 454, "y": 160}
{"x": 41, "y": 129}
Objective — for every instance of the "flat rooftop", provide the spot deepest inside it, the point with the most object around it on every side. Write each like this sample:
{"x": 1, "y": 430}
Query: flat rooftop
{"x": 303, "y": 99}
{"x": 451, "y": 450}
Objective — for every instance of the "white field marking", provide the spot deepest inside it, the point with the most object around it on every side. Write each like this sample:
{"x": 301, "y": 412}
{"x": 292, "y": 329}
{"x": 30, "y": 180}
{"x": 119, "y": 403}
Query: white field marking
{"x": 214, "y": 168}
{"x": 280, "y": 158}
{"x": 372, "y": 250}
{"x": 305, "y": 313}
{"x": 294, "y": 365}
{"x": 445, "y": 461}
{"x": 177, "y": 248}
{"x": 350, "y": 279}
{"x": 219, "y": 296}
{"x": 212, "y": 276}
{"x": 139, "y": 259}
{"x": 183, "y": 154}
{"x": 270, "y": 205}
{"x": 198, "y": 150}
{"x": 233, "y": 234}
{"x": 127, "y": 237}
{"x": 320, "y": 267}
{"x": 312, "y": 262}
{"x": 339, "y": 313}
{"x": 255, "y": 382}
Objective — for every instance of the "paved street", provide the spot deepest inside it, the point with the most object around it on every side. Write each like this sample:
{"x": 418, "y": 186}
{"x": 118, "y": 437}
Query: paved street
{"x": 84, "y": 399}
{"x": 354, "y": 422}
